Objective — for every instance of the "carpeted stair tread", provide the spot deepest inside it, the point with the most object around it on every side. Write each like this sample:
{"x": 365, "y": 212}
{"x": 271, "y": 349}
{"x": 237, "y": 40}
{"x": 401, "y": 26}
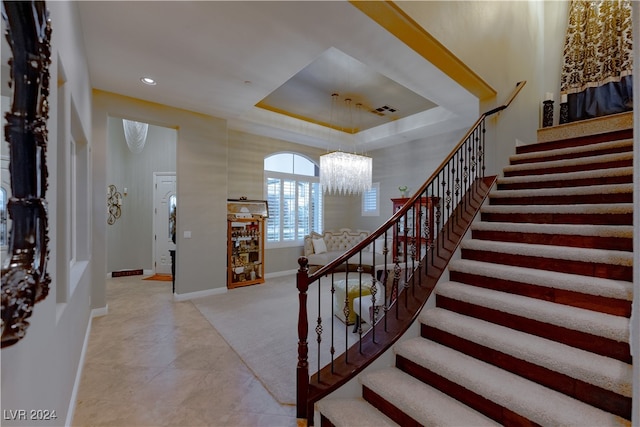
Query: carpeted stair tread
{"x": 590, "y": 322}
{"x": 601, "y": 256}
{"x": 421, "y": 402}
{"x": 583, "y": 161}
{"x": 353, "y": 412}
{"x": 593, "y": 208}
{"x": 597, "y": 173}
{"x": 609, "y": 288}
{"x": 604, "y": 372}
{"x": 564, "y": 191}
{"x": 619, "y": 231}
{"x": 587, "y": 149}
{"x": 539, "y": 404}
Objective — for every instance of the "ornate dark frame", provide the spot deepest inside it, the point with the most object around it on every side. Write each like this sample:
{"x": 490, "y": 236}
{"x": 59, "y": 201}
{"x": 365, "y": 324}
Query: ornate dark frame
{"x": 25, "y": 280}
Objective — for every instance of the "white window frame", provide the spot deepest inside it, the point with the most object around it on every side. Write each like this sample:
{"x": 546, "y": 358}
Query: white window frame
{"x": 268, "y": 174}
{"x": 373, "y": 193}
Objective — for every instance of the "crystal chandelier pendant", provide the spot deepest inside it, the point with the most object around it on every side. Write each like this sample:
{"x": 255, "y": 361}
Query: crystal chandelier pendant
{"x": 345, "y": 173}
{"x": 135, "y": 133}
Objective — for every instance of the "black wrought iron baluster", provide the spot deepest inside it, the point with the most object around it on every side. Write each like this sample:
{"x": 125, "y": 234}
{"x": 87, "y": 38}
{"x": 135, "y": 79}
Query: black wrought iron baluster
{"x": 345, "y": 310}
{"x": 385, "y": 276}
{"x": 332, "y": 349}
{"x": 319, "y": 330}
{"x": 394, "y": 287}
{"x": 482, "y": 136}
{"x": 359, "y": 320}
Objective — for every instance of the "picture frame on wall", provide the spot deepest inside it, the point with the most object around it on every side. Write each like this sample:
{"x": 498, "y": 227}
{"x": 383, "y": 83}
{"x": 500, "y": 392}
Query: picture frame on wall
{"x": 242, "y": 208}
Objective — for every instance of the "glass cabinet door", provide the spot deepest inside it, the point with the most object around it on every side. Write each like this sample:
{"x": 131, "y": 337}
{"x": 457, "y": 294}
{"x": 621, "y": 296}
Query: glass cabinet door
{"x": 246, "y": 252}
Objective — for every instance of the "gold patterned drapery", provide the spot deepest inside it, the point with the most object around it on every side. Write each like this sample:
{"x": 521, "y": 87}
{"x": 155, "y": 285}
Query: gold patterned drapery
{"x": 598, "y": 62}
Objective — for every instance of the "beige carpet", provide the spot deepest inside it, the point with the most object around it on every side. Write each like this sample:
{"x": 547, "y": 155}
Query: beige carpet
{"x": 260, "y": 323}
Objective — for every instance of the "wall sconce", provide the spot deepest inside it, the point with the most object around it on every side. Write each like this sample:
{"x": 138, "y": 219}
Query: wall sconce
{"x": 114, "y": 204}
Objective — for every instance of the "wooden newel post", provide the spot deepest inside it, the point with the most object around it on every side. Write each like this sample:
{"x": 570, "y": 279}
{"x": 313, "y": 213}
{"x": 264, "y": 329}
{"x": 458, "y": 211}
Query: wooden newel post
{"x": 302, "y": 370}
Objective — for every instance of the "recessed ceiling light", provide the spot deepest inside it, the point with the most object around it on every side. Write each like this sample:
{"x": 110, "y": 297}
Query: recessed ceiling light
{"x": 148, "y": 81}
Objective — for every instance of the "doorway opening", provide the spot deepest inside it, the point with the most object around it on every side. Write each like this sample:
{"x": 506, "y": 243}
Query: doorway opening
{"x": 131, "y": 238}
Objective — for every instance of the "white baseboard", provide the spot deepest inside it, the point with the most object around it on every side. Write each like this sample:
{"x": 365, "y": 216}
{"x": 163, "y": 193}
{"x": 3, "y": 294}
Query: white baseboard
{"x": 76, "y": 384}
{"x": 280, "y": 274}
{"x": 199, "y": 294}
{"x": 98, "y": 312}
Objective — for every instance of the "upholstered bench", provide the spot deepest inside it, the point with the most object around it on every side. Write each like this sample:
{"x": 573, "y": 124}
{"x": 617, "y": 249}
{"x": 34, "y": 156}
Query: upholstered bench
{"x": 350, "y": 291}
{"x": 321, "y": 249}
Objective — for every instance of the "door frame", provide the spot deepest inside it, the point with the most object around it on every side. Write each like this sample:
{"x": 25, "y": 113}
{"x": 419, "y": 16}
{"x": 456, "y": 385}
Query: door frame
{"x": 156, "y": 175}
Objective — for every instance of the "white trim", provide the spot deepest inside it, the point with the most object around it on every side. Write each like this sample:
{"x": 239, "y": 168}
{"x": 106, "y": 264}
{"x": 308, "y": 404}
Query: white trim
{"x": 199, "y": 294}
{"x": 76, "y": 384}
{"x": 376, "y": 212}
{"x": 280, "y": 274}
{"x": 101, "y": 311}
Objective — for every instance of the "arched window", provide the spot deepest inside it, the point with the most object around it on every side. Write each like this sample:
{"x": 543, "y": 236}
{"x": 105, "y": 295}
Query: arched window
{"x": 292, "y": 189}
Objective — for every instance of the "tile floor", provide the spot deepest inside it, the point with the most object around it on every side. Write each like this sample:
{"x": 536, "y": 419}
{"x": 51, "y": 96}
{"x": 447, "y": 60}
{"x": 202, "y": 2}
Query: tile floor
{"x": 156, "y": 362}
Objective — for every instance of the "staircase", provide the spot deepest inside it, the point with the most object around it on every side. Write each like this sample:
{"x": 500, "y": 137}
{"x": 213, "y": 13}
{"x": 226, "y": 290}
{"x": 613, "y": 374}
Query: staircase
{"x": 533, "y": 326}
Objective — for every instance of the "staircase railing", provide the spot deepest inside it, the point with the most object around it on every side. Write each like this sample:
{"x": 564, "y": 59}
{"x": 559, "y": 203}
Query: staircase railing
{"x": 387, "y": 277}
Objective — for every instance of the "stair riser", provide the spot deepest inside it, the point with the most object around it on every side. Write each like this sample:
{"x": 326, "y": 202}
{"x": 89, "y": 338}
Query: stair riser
{"x": 588, "y": 393}
{"x": 570, "y": 168}
{"x": 597, "y": 303}
{"x": 577, "y": 155}
{"x": 486, "y": 407}
{"x": 564, "y": 200}
{"x": 388, "y": 408}
{"x": 560, "y": 218}
{"x": 616, "y": 272}
{"x": 564, "y": 183}
{"x": 582, "y": 340}
{"x": 576, "y": 141}
{"x": 572, "y": 240}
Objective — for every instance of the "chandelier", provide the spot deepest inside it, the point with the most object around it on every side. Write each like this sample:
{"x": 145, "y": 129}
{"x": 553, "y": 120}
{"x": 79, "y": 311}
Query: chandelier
{"x": 345, "y": 173}
{"x": 342, "y": 172}
{"x": 135, "y": 134}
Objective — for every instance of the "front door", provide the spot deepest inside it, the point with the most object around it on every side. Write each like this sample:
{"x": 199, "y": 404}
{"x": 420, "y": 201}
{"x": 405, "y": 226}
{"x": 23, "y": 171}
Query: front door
{"x": 164, "y": 204}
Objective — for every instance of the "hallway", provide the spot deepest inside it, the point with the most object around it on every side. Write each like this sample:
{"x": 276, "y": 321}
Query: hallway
{"x": 155, "y": 362}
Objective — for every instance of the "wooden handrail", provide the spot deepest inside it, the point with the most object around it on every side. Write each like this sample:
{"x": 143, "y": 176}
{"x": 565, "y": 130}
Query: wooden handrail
{"x": 384, "y": 227}
{"x": 459, "y": 187}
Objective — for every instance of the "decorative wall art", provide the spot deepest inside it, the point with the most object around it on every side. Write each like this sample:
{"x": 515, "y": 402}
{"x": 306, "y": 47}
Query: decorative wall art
{"x": 25, "y": 280}
{"x": 114, "y": 204}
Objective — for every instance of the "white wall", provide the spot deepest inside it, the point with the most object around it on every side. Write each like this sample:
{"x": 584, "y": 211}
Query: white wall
{"x": 39, "y": 372}
{"x": 504, "y": 43}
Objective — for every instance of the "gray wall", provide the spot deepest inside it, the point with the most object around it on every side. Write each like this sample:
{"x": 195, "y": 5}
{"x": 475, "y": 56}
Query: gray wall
{"x": 246, "y": 178}
{"x": 130, "y": 238}
{"x": 201, "y": 163}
